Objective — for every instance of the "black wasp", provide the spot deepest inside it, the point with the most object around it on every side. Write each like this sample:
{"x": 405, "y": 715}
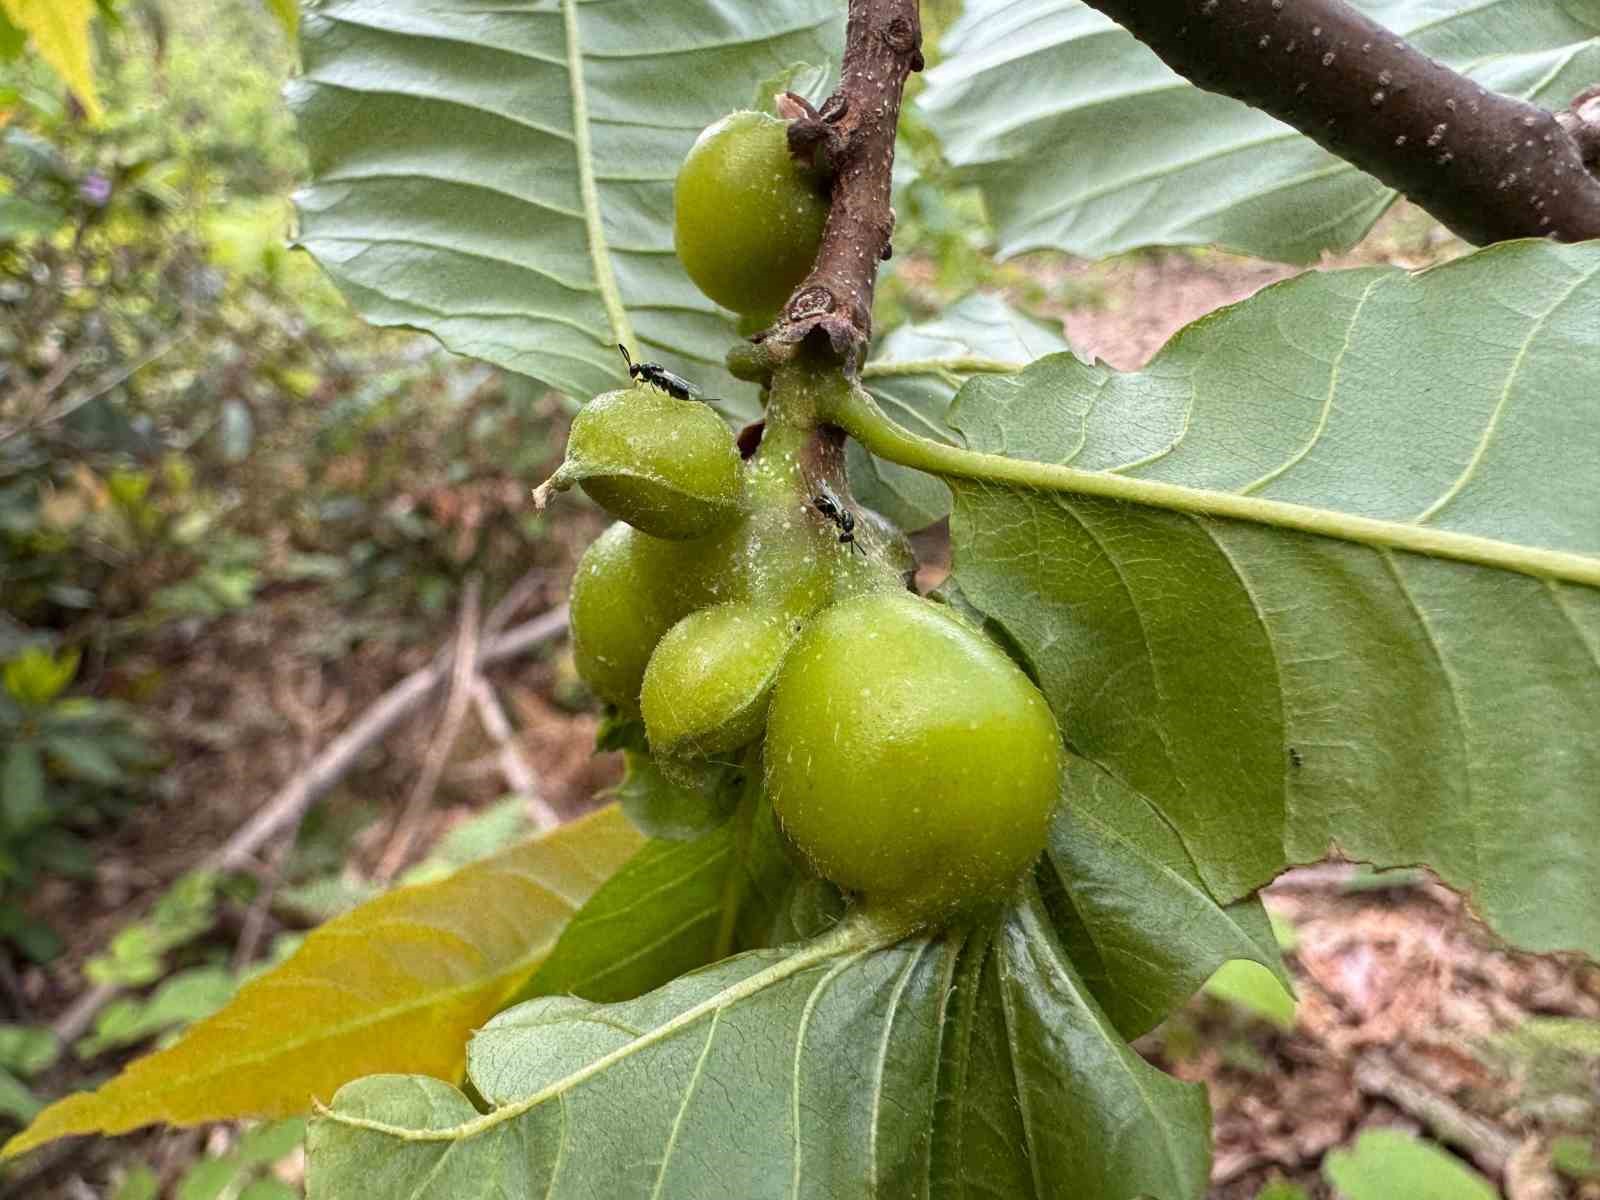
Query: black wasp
{"x": 658, "y": 376}
{"x": 826, "y": 503}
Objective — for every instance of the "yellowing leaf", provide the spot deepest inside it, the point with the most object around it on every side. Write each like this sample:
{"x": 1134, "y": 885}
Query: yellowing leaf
{"x": 60, "y": 32}
{"x": 396, "y": 985}
{"x": 288, "y": 14}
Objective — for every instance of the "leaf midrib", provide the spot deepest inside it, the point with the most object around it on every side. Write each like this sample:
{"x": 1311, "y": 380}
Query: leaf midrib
{"x": 859, "y": 416}
{"x": 1039, "y": 937}
{"x": 588, "y": 189}
{"x": 855, "y": 938}
{"x": 1109, "y": 833}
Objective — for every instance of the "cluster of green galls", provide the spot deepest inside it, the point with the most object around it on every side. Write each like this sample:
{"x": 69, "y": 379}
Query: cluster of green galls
{"x": 907, "y": 758}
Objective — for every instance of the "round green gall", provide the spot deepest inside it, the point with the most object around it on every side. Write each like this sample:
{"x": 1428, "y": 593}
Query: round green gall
{"x": 908, "y": 758}
{"x": 667, "y": 467}
{"x": 706, "y": 689}
{"x": 628, "y": 590}
{"x": 747, "y": 221}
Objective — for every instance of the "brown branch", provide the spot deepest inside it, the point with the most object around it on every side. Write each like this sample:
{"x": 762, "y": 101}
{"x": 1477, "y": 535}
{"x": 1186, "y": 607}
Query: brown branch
{"x": 852, "y": 137}
{"x": 1489, "y": 166}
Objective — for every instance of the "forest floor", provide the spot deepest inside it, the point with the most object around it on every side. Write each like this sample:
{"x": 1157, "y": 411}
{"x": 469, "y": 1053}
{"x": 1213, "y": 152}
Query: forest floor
{"x": 1410, "y": 1014}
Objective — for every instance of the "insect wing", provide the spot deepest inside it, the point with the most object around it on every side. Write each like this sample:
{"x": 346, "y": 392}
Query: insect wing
{"x": 676, "y": 385}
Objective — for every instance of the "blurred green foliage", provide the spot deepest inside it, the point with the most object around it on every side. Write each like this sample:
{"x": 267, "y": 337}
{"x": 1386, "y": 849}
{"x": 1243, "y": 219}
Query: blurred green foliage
{"x": 1388, "y": 1163}
{"x": 192, "y": 422}
{"x": 62, "y": 761}
{"x": 241, "y": 1173}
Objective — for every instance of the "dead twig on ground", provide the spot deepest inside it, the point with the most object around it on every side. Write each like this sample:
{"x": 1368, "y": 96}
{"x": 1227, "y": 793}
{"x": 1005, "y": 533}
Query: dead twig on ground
{"x": 513, "y": 600}
{"x": 80, "y": 1014}
{"x": 391, "y": 708}
{"x": 1481, "y": 1140}
{"x": 518, "y": 772}
{"x": 463, "y": 671}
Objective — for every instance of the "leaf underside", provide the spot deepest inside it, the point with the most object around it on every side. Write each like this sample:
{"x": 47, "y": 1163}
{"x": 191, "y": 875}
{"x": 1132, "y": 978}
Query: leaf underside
{"x": 449, "y": 163}
{"x": 396, "y": 984}
{"x": 1083, "y": 140}
{"x": 971, "y": 1063}
{"x": 1271, "y": 694}
{"x": 979, "y": 325}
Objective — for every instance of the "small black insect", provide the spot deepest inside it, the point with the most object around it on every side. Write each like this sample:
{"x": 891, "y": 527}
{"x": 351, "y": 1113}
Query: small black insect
{"x": 658, "y": 376}
{"x": 826, "y": 503}
{"x": 1296, "y": 759}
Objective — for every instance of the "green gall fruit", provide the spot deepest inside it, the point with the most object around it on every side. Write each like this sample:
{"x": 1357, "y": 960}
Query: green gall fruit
{"x": 667, "y": 467}
{"x": 908, "y": 758}
{"x": 747, "y": 221}
{"x": 706, "y": 688}
{"x": 629, "y": 589}
{"x": 784, "y": 560}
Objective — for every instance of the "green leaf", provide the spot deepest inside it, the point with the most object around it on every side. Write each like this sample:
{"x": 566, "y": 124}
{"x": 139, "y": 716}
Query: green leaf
{"x": 733, "y": 1081}
{"x": 915, "y": 373}
{"x": 852, "y": 1065}
{"x": 135, "y": 957}
{"x": 1099, "y": 1120}
{"x": 36, "y": 939}
{"x": 394, "y": 985}
{"x": 209, "y": 1178}
{"x": 85, "y": 759}
{"x": 1271, "y": 691}
{"x": 268, "y": 1143}
{"x": 269, "y": 1189}
{"x": 484, "y": 833}
{"x": 59, "y": 30}
{"x": 17, "y": 1101}
{"x": 1385, "y": 1163}
{"x": 182, "y": 999}
{"x": 22, "y": 787}
{"x": 1143, "y": 930}
{"x": 1083, "y": 140}
{"x": 674, "y": 907}
{"x": 1575, "y": 1157}
{"x": 980, "y": 1147}
{"x": 664, "y": 809}
{"x": 802, "y": 79}
{"x": 141, "y": 1183}
{"x": 12, "y": 42}
{"x": 1283, "y": 1189}
{"x": 28, "y": 1049}
{"x": 37, "y": 677}
{"x": 1253, "y": 988}
{"x": 20, "y": 218}
{"x": 502, "y": 177}
{"x": 287, "y": 13}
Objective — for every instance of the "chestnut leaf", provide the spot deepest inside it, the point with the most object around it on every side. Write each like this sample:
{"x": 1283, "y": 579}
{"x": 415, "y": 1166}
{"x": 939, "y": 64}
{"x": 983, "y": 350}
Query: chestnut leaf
{"x": 501, "y": 175}
{"x": 1390, "y": 642}
{"x": 970, "y": 1062}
